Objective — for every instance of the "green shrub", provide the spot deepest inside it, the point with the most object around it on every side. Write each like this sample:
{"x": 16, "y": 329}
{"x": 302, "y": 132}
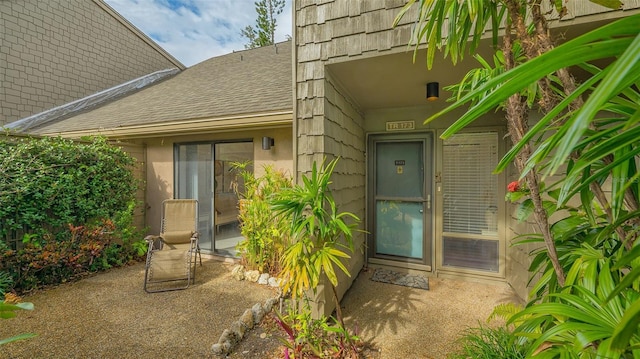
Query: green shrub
{"x": 265, "y": 232}
{"x": 596, "y": 311}
{"x": 88, "y": 249}
{"x": 6, "y": 283}
{"x": 48, "y": 183}
{"x": 67, "y": 209}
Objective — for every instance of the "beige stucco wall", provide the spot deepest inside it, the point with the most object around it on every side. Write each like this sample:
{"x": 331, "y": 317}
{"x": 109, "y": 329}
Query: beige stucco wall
{"x": 56, "y": 51}
{"x": 139, "y": 171}
{"x": 159, "y": 162}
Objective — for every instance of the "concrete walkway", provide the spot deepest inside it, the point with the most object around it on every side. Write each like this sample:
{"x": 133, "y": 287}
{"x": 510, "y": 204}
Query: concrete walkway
{"x": 415, "y": 323}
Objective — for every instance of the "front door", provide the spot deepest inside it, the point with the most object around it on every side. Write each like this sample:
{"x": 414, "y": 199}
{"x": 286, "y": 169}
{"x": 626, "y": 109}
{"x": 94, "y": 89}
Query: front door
{"x": 400, "y": 198}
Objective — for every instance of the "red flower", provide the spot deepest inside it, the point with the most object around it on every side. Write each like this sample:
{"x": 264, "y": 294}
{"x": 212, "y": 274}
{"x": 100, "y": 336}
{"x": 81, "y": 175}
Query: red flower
{"x": 513, "y": 186}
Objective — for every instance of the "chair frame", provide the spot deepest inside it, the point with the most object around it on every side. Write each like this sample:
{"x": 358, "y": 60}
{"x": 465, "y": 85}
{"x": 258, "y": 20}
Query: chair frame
{"x": 156, "y": 243}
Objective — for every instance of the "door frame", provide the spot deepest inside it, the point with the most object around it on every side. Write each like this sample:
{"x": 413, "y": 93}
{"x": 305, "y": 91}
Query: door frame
{"x": 211, "y": 231}
{"x": 429, "y": 148}
{"x": 502, "y": 210}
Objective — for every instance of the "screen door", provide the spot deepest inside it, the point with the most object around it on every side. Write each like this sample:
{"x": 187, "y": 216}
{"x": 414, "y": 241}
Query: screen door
{"x": 400, "y": 184}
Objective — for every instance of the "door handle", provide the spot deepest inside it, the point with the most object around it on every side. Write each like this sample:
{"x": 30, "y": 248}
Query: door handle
{"x": 428, "y": 201}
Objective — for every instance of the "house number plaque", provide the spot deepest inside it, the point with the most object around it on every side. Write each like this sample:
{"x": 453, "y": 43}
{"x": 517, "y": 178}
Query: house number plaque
{"x": 401, "y": 125}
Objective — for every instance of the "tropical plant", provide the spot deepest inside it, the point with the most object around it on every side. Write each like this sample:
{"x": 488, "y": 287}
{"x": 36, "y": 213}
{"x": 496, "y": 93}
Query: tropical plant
{"x": 486, "y": 342}
{"x": 8, "y": 309}
{"x": 587, "y": 317}
{"x": 265, "y": 234}
{"x": 307, "y": 337}
{"x": 321, "y": 238}
{"x": 585, "y": 303}
{"x": 88, "y": 249}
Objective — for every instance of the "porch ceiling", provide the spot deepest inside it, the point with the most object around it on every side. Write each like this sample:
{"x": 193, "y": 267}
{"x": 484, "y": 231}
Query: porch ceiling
{"x": 395, "y": 80}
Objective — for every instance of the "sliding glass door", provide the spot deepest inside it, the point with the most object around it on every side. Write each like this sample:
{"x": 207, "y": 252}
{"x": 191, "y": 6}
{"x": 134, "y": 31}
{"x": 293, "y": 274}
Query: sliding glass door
{"x": 204, "y": 171}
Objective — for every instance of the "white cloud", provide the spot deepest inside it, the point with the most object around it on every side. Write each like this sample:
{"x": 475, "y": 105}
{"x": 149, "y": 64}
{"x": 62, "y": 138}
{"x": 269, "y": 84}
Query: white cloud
{"x": 195, "y": 30}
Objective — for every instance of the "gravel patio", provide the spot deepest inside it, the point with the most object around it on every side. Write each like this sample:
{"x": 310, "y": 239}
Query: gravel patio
{"x": 110, "y": 316}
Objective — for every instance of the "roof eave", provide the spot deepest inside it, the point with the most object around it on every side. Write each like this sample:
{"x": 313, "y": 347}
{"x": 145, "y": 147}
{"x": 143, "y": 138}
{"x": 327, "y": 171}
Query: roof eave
{"x": 203, "y": 125}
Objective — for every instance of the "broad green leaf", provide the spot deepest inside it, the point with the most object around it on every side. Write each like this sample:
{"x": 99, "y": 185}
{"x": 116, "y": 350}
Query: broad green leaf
{"x": 611, "y": 4}
{"x": 585, "y": 48}
{"x": 627, "y": 327}
{"x": 524, "y": 210}
{"x": 622, "y": 73}
{"x": 546, "y": 120}
{"x": 16, "y": 337}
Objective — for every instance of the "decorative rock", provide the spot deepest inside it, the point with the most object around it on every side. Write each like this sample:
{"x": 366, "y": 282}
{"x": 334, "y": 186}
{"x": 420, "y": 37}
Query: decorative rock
{"x": 224, "y": 337}
{"x": 264, "y": 279}
{"x": 238, "y": 272}
{"x": 258, "y": 313}
{"x": 247, "y": 319}
{"x": 252, "y": 275}
{"x": 238, "y": 329}
{"x": 231, "y": 337}
{"x": 217, "y": 349}
{"x": 274, "y": 282}
{"x": 226, "y": 347}
{"x": 268, "y": 305}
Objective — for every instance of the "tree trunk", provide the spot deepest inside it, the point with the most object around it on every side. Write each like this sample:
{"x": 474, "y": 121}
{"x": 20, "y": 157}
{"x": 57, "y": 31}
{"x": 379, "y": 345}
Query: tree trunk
{"x": 517, "y": 111}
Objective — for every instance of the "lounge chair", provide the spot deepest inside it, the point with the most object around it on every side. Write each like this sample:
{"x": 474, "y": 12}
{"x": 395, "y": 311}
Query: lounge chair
{"x": 171, "y": 258}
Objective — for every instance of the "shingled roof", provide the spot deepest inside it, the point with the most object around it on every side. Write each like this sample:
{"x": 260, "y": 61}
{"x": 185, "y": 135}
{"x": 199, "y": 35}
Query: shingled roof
{"x": 245, "y": 82}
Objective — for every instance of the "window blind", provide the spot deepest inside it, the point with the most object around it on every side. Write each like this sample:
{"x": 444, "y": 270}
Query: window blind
{"x": 470, "y": 191}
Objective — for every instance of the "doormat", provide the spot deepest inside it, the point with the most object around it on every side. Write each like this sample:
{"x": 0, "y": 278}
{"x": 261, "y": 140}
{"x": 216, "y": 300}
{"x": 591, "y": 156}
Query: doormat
{"x": 407, "y": 280}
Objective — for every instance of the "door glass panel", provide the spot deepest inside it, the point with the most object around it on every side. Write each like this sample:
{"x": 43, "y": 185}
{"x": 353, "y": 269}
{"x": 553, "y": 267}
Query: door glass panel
{"x": 228, "y": 183}
{"x": 470, "y": 194}
{"x": 194, "y": 163}
{"x": 399, "y": 229}
{"x": 399, "y": 168}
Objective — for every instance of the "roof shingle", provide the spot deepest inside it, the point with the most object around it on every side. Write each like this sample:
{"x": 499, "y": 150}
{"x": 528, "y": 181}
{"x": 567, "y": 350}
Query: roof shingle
{"x": 243, "y": 82}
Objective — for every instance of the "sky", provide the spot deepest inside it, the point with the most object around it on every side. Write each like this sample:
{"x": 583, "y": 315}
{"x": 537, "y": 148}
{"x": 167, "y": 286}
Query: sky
{"x": 195, "y": 30}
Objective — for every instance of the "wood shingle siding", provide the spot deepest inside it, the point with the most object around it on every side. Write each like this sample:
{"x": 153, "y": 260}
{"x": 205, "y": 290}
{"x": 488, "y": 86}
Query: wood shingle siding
{"x": 57, "y": 51}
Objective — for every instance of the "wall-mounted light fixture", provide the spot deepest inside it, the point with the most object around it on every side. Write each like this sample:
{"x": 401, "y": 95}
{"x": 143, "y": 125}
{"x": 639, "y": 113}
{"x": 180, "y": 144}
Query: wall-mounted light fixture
{"x": 433, "y": 91}
{"x": 267, "y": 143}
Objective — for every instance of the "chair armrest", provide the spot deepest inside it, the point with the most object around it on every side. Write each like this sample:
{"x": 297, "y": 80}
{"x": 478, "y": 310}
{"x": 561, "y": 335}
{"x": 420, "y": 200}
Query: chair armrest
{"x": 151, "y": 238}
